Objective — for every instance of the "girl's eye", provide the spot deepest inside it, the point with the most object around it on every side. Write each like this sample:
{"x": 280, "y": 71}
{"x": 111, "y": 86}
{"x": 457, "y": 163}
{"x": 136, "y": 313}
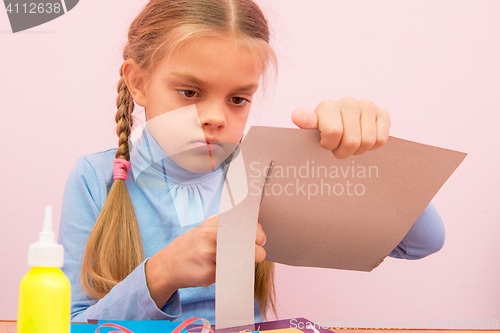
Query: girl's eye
{"x": 239, "y": 100}
{"x": 187, "y": 93}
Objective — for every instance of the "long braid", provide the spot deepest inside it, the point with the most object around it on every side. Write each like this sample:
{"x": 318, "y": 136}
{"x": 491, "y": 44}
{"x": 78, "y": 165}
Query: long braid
{"x": 264, "y": 287}
{"x": 123, "y": 118}
{"x": 115, "y": 247}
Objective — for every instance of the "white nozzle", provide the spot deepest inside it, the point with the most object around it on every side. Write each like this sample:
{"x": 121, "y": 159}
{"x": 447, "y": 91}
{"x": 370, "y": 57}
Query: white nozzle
{"x": 47, "y": 235}
{"x": 46, "y": 252}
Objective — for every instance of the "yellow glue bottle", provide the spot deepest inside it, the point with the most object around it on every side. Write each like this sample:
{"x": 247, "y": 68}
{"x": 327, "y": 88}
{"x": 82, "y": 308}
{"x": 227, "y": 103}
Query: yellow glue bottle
{"x": 44, "y": 293}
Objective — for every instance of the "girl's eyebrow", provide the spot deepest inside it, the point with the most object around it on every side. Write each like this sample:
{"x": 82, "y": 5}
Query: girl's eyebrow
{"x": 195, "y": 81}
{"x": 251, "y": 87}
{"x": 188, "y": 77}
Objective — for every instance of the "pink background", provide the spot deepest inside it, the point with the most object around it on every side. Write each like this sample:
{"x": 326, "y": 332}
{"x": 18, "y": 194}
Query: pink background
{"x": 434, "y": 65}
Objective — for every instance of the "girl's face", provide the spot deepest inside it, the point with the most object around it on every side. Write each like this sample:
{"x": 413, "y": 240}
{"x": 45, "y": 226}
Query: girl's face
{"x": 198, "y": 101}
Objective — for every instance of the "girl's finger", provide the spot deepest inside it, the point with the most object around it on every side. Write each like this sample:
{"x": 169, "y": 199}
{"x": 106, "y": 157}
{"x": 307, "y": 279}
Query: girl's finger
{"x": 351, "y": 137}
{"x": 330, "y": 124}
{"x": 368, "y": 127}
{"x": 209, "y": 229}
{"x": 261, "y": 236}
{"x": 260, "y": 253}
{"x": 383, "y": 121}
{"x": 305, "y": 118}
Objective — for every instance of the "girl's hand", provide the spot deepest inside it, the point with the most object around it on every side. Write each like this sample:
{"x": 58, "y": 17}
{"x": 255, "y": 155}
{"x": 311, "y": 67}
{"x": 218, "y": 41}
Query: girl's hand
{"x": 189, "y": 261}
{"x": 348, "y": 126}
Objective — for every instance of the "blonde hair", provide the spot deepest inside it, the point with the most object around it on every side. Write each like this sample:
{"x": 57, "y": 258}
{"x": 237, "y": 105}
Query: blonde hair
{"x": 115, "y": 248}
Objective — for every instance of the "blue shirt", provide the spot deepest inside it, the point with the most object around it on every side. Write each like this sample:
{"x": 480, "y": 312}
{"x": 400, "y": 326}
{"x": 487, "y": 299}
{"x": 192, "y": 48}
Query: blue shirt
{"x": 168, "y": 200}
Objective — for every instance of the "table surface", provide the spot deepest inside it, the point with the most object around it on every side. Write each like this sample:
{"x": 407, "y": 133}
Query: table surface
{"x": 10, "y": 327}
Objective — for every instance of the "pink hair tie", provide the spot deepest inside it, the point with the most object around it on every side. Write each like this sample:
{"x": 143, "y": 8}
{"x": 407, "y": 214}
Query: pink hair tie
{"x": 120, "y": 168}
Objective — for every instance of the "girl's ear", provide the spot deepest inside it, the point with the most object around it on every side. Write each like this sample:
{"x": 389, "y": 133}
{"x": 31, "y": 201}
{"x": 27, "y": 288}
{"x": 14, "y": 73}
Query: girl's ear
{"x": 135, "y": 80}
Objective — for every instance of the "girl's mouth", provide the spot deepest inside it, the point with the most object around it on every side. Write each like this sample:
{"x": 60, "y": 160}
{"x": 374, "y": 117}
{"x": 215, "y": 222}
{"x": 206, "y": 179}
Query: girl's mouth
{"x": 206, "y": 146}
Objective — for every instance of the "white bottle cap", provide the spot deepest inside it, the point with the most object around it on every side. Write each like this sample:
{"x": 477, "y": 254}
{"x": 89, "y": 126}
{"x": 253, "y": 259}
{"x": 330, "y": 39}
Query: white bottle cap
{"x": 46, "y": 252}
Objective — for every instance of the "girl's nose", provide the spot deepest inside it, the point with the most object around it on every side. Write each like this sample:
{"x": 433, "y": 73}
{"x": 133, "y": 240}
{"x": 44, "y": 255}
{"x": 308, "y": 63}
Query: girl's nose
{"x": 211, "y": 116}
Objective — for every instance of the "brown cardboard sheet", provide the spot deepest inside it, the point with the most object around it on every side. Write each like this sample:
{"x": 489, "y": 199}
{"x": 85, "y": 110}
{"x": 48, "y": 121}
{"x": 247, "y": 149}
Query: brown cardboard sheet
{"x": 320, "y": 211}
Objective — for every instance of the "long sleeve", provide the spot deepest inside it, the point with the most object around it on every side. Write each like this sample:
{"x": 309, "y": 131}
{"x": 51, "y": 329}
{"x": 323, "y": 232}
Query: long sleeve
{"x": 425, "y": 237}
{"x": 84, "y": 196}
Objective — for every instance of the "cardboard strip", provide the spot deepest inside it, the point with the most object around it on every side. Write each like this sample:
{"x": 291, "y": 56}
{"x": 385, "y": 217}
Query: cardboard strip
{"x": 237, "y": 228}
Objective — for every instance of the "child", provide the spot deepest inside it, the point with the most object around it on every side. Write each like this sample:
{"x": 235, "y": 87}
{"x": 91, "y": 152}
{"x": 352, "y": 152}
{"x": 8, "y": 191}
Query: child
{"x": 185, "y": 55}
